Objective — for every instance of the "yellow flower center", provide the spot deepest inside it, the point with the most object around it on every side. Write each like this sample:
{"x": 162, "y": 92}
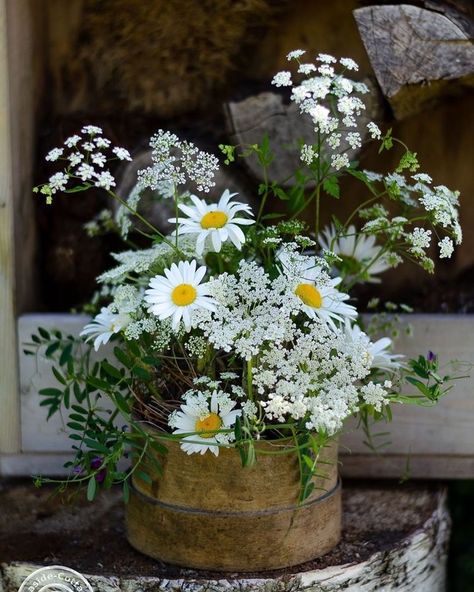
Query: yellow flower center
{"x": 310, "y": 295}
{"x": 208, "y": 426}
{"x": 183, "y": 295}
{"x": 215, "y": 219}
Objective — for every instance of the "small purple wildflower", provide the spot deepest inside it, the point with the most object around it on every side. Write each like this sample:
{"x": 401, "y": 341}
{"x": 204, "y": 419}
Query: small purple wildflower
{"x": 96, "y": 463}
{"x": 431, "y": 357}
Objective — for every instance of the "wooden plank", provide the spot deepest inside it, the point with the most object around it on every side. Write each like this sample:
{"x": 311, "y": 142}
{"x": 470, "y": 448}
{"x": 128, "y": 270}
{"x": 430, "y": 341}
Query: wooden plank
{"x": 427, "y": 443}
{"x": 25, "y": 36}
{"x": 437, "y": 441}
{"x": 38, "y": 433}
{"x": 9, "y": 416}
{"x": 31, "y": 465}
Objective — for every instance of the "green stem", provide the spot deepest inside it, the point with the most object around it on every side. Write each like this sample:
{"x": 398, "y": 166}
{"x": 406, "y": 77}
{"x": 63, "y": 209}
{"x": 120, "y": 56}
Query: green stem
{"x": 316, "y": 220}
{"x": 176, "y": 213}
{"x": 250, "y": 379}
{"x": 265, "y": 195}
{"x": 143, "y": 220}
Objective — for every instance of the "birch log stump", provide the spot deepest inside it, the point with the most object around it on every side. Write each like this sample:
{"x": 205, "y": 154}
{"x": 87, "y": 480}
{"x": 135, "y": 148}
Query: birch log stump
{"x": 419, "y": 56}
{"x": 394, "y": 540}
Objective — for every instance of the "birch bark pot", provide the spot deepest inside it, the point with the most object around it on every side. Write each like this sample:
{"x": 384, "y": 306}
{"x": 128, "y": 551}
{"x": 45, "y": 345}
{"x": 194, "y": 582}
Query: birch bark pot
{"x": 208, "y": 512}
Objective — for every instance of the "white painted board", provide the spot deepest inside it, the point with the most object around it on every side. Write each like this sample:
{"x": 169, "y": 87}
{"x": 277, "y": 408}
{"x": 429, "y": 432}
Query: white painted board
{"x": 433, "y": 442}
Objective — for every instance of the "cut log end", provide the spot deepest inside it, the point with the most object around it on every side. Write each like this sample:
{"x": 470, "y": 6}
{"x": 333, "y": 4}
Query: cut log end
{"x": 419, "y": 56}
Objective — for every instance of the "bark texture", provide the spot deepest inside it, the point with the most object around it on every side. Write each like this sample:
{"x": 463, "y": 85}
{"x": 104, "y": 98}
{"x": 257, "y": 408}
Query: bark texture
{"x": 394, "y": 539}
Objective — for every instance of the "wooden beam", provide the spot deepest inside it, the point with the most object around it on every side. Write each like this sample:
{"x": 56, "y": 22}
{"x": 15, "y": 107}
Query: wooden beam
{"x": 419, "y": 56}
{"x": 25, "y": 62}
{"x": 9, "y": 394}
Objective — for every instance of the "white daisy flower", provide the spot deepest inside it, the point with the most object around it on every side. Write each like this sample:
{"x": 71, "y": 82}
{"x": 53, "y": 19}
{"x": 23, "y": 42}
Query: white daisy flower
{"x": 354, "y": 246}
{"x": 104, "y": 325}
{"x": 382, "y": 357}
{"x": 216, "y": 221}
{"x": 178, "y": 293}
{"x": 318, "y": 293}
{"x": 201, "y": 419}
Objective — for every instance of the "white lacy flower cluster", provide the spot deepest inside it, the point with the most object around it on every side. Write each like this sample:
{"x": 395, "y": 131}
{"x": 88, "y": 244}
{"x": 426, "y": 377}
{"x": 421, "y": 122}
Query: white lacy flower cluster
{"x": 438, "y": 205}
{"x": 177, "y": 162}
{"x": 85, "y": 158}
{"x": 251, "y": 311}
{"x": 317, "y": 377}
{"x": 331, "y": 100}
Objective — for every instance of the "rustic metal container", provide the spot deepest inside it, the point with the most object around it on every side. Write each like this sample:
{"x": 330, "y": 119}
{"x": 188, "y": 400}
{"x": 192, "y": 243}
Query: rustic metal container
{"x": 209, "y": 512}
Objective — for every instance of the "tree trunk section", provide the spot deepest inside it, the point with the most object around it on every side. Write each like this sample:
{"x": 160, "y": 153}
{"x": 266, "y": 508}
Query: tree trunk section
{"x": 419, "y": 56}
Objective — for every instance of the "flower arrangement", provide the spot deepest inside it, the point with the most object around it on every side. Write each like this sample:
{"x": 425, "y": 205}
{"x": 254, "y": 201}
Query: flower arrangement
{"x": 240, "y": 326}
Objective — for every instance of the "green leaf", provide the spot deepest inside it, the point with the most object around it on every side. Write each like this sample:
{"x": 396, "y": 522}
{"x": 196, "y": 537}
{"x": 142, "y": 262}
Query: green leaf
{"x": 52, "y": 410}
{"x": 48, "y": 402}
{"x": 75, "y": 426}
{"x": 362, "y": 177}
{"x": 151, "y": 361}
{"x": 161, "y": 448}
{"x": 44, "y": 334}
{"x": 126, "y": 492}
{"x": 122, "y": 404}
{"x": 280, "y": 193}
{"x": 134, "y": 349}
{"x": 67, "y": 397}
{"x": 78, "y": 188}
{"x": 51, "y": 392}
{"x": 331, "y": 186}
{"x": 123, "y": 357}
{"x": 59, "y": 377}
{"x": 144, "y": 477}
{"x": 51, "y": 349}
{"x": 79, "y": 409}
{"x": 78, "y": 393}
{"x": 96, "y": 383}
{"x": 94, "y": 445}
{"x": 66, "y": 354}
{"x": 308, "y": 490}
{"x": 111, "y": 370}
{"x": 91, "y": 489}
{"x": 77, "y": 417}
{"x": 141, "y": 373}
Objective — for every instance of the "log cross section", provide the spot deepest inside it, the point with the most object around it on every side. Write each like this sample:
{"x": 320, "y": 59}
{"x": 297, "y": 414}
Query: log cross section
{"x": 419, "y": 56}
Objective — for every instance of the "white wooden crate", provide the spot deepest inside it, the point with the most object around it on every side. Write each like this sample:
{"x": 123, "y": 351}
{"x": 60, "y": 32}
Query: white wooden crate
{"x": 435, "y": 442}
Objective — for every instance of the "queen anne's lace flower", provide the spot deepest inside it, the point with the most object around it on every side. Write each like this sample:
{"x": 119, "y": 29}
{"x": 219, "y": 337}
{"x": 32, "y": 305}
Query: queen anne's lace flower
{"x": 177, "y": 162}
{"x": 446, "y": 247}
{"x": 282, "y": 79}
{"x": 295, "y": 54}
